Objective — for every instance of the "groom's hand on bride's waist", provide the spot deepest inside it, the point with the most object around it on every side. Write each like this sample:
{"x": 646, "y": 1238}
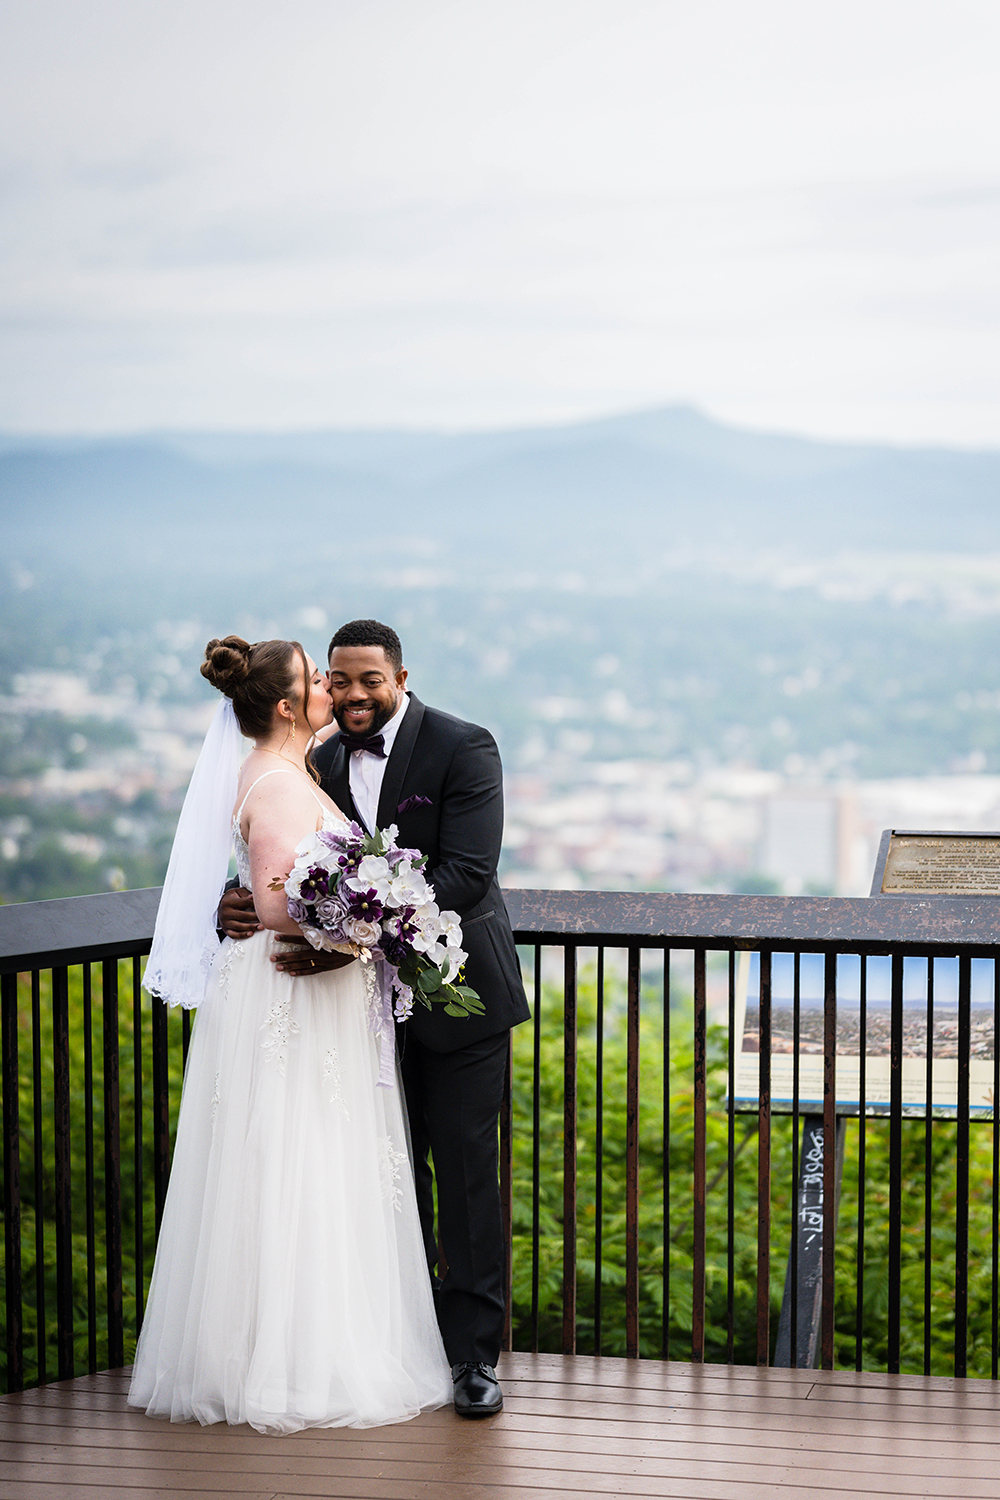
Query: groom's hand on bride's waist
{"x": 296, "y": 957}
{"x": 237, "y": 916}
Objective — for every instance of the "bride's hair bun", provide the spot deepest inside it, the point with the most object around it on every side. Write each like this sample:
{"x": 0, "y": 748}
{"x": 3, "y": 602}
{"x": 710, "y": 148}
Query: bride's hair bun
{"x": 227, "y": 663}
{"x": 256, "y": 678}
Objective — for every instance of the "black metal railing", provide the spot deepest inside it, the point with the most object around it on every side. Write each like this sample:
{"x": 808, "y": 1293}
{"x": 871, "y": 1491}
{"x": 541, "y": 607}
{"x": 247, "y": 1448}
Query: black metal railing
{"x": 649, "y": 1204}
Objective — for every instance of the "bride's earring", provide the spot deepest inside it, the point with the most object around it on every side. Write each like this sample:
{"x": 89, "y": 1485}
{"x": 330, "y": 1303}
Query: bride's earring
{"x": 293, "y": 731}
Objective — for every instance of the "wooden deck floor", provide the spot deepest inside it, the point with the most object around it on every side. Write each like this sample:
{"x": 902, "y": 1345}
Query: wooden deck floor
{"x": 571, "y": 1427}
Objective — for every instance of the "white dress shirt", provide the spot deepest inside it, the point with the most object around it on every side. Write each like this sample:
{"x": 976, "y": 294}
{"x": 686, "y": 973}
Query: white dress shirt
{"x": 367, "y": 770}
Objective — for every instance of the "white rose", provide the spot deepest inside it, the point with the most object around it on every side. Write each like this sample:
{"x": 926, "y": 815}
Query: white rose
{"x": 365, "y": 934}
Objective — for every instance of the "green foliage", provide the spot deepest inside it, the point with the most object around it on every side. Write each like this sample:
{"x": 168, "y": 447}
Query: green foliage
{"x": 931, "y": 1243}
{"x": 37, "y": 1130}
{"x": 927, "y": 1245}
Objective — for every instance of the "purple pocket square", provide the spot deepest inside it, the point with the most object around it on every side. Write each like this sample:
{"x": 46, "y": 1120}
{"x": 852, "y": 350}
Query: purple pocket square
{"x": 412, "y": 802}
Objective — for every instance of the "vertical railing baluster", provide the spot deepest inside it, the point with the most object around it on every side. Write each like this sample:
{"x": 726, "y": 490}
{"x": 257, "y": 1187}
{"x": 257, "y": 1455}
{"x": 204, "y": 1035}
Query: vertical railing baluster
{"x": 536, "y": 1143}
{"x": 929, "y": 1170}
{"x": 161, "y": 1106}
{"x": 137, "y": 1144}
{"x": 13, "y": 1291}
{"x": 995, "y": 1193}
{"x": 38, "y": 1167}
{"x": 599, "y": 1155}
{"x": 665, "y": 1329}
{"x": 569, "y": 1149}
{"x": 731, "y": 1167}
{"x": 62, "y": 1173}
{"x": 632, "y": 1156}
{"x": 506, "y": 1190}
{"x": 112, "y": 1165}
{"x": 859, "y": 1274}
{"x": 700, "y": 1166}
{"x": 830, "y": 1157}
{"x": 793, "y": 1256}
{"x": 962, "y": 1168}
{"x": 895, "y": 1162}
{"x": 764, "y": 1167}
{"x": 88, "y": 1162}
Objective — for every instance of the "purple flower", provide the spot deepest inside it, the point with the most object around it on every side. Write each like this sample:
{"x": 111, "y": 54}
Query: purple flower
{"x": 363, "y": 905}
{"x": 300, "y": 911}
{"x": 393, "y": 948}
{"x": 316, "y": 884}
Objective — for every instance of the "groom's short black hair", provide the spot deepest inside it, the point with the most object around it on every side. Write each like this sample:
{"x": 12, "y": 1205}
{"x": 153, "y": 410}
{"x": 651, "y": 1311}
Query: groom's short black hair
{"x": 370, "y": 633}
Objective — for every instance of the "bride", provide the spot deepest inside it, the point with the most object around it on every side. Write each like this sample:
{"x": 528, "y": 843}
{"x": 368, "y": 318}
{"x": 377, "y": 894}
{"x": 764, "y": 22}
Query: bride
{"x": 290, "y": 1286}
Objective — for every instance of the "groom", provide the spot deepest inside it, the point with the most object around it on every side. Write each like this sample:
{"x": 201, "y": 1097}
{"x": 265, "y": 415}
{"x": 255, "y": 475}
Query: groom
{"x": 439, "y": 780}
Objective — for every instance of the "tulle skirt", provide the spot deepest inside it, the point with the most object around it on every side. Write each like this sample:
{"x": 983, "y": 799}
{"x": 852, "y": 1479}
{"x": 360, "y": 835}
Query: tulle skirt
{"x": 290, "y": 1287}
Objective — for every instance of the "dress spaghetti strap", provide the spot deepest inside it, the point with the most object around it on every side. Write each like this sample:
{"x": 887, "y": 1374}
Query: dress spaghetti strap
{"x": 276, "y": 772}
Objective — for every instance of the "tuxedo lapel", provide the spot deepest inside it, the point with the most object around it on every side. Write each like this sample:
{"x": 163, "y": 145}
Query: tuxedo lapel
{"x": 398, "y": 763}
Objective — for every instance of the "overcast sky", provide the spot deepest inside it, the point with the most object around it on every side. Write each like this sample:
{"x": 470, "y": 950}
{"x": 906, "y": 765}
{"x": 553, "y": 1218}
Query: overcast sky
{"x": 458, "y": 213}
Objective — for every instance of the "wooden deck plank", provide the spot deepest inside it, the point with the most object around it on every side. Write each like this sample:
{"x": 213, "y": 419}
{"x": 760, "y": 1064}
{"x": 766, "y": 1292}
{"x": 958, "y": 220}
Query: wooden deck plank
{"x": 571, "y": 1427}
{"x": 905, "y": 1454}
{"x": 359, "y": 1459}
{"x": 600, "y": 1402}
{"x": 403, "y": 1479}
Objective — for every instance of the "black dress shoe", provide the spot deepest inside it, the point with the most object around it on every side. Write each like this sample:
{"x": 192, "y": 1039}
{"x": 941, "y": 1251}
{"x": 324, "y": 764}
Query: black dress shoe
{"x": 477, "y": 1393}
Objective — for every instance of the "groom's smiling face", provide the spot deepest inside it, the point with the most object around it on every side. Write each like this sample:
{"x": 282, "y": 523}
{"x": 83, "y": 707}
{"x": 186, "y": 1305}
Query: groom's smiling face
{"x": 364, "y": 688}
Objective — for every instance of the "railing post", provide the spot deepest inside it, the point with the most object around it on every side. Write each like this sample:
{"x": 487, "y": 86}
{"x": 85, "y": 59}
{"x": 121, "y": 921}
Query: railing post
{"x": 161, "y": 1107}
{"x": 569, "y": 1150}
{"x": 599, "y": 1156}
{"x": 38, "y": 1177}
{"x": 63, "y": 1174}
{"x": 506, "y": 1189}
{"x": 112, "y": 1166}
{"x": 632, "y": 1156}
{"x": 832, "y": 1156}
{"x": 895, "y": 1163}
{"x": 139, "y": 1241}
{"x": 88, "y": 1134}
{"x": 700, "y": 1170}
{"x": 962, "y": 1167}
{"x": 764, "y": 1167}
{"x": 536, "y": 1144}
{"x": 665, "y": 1331}
{"x": 12, "y": 1183}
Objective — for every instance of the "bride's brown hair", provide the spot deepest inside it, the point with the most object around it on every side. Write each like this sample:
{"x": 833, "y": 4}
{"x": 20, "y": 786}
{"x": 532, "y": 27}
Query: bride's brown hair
{"x": 256, "y": 678}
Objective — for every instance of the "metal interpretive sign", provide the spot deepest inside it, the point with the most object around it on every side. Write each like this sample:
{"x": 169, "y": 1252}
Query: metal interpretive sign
{"x": 909, "y": 863}
{"x": 937, "y": 864}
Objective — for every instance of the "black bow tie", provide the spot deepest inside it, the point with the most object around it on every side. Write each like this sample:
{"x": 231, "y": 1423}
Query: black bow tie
{"x": 375, "y": 744}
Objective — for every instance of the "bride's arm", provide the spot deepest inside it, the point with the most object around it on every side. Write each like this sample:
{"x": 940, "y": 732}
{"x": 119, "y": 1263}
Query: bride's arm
{"x": 281, "y": 812}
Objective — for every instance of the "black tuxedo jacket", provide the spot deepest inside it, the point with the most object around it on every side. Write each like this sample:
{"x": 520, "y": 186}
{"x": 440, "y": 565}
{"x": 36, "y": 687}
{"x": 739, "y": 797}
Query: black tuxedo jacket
{"x": 443, "y": 789}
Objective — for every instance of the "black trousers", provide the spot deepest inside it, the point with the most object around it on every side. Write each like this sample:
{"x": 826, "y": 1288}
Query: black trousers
{"x": 453, "y": 1100}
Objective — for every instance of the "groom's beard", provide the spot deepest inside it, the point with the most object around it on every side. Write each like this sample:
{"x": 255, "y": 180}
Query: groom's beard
{"x": 380, "y": 718}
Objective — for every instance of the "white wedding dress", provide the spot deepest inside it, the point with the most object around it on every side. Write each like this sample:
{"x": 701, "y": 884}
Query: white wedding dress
{"x": 290, "y": 1287}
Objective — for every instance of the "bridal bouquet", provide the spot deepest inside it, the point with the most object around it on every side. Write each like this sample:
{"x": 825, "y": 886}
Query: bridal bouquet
{"x": 354, "y": 892}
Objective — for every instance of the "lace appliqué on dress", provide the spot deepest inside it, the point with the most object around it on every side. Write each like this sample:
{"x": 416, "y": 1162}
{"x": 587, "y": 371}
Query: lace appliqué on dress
{"x": 277, "y": 1029}
{"x": 216, "y": 1101}
{"x": 373, "y": 998}
{"x": 331, "y": 1071}
{"x": 390, "y": 1162}
{"x": 225, "y": 968}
